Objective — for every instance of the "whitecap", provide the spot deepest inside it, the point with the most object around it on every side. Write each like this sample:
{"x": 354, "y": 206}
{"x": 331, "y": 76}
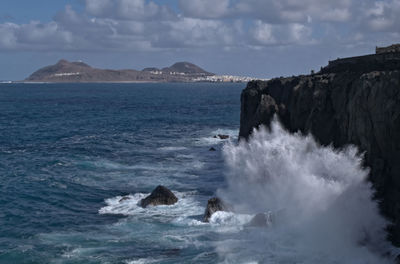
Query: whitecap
{"x": 172, "y": 148}
{"x": 124, "y": 205}
{"x": 142, "y": 261}
{"x": 106, "y": 164}
{"x": 229, "y": 218}
{"x": 186, "y": 206}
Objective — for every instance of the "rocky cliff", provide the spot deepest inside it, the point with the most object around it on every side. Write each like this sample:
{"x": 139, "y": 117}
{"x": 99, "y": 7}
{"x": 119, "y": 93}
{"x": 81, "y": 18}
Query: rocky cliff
{"x": 341, "y": 105}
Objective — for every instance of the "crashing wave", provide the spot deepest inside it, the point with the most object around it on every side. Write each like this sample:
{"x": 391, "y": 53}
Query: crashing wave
{"x": 323, "y": 196}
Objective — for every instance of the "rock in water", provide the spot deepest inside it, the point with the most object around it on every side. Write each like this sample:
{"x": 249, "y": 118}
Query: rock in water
{"x": 215, "y": 204}
{"x": 160, "y": 196}
{"x": 220, "y": 136}
{"x": 212, "y": 149}
{"x": 223, "y": 136}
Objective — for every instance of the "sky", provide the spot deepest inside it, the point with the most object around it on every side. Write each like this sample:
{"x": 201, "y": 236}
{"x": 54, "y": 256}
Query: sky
{"x": 257, "y": 38}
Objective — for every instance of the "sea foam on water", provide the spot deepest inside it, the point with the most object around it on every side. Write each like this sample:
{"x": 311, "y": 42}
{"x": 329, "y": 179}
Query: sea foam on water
{"x": 320, "y": 197}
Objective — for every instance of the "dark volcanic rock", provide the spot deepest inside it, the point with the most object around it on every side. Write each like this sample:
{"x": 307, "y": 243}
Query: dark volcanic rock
{"x": 213, "y": 205}
{"x": 220, "y": 136}
{"x": 160, "y": 196}
{"x": 341, "y": 107}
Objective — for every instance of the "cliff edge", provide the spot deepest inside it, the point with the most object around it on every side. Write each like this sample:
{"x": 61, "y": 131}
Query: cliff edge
{"x": 350, "y": 101}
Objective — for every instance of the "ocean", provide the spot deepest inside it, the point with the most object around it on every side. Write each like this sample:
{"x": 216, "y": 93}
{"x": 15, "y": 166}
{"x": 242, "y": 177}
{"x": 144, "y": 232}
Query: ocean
{"x": 70, "y": 152}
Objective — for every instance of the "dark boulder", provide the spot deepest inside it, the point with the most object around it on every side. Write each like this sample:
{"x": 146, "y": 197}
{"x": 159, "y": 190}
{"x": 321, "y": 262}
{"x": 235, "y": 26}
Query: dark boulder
{"x": 214, "y": 205}
{"x": 220, "y": 136}
{"x": 160, "y": 196}
{"x": 212, "y": 149}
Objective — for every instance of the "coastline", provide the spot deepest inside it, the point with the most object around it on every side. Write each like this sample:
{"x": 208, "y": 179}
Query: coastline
{"x": 111, "y": 82}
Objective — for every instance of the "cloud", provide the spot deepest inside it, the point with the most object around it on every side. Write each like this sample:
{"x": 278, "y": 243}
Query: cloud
{"x": 192, "y": 32}
{"x": 383, "y": 16}
{"x": 82, "y": 31}
{"x": 225, "y": 25}
{"x": 35, "y": 34}
{"x": 128, "y": 10}
{"x": 204, "y": 8}
{"x": 8, "y": 38}
{"x": 97, "y": 7}
{"x": 266, "y": 34}
{"x": 271, "y": 11}
{"x": 263, "y": 33}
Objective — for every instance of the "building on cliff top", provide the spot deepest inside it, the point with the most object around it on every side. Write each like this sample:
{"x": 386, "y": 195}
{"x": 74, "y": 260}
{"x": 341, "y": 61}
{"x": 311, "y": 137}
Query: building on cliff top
{"x": 388, "y": 49}
{"x": 385, "y": 59}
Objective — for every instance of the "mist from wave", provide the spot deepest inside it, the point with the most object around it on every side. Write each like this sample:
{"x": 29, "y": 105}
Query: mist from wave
{"x": 320, "y": 199}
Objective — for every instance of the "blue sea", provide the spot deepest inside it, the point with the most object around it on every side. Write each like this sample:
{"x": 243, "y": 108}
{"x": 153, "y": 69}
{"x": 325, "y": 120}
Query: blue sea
{"x": 76, "y": 159}
{"x": 68, "y": 152}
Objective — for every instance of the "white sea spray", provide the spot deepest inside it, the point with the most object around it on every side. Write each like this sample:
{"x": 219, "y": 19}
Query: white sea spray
{"x": 320, "y": 197}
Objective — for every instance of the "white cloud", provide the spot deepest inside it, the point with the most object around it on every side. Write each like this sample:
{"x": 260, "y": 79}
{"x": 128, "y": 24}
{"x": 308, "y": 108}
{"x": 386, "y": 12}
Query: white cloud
{"x": 204, "y": 8}
{"x": 271, "y": 34}
{"x": 143, "y": 25}
{"x": 97, "y": 7}
{"x": 383, "y": 16}
{"x": 291, "y": 11}
{"x": 263, "y": 33}
{"x": 193, "y": 32}
{"x": 128, "y": 10}
{"x": 34, "y": 35}
{"x": 8, "y": 39}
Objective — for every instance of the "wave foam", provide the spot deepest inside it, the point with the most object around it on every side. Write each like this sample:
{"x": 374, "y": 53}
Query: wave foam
{"x": 172, "y": 148}
{"x": 142, "y": 261}
{"x": 128, "y": 205}
{"x": 229, "y": 218}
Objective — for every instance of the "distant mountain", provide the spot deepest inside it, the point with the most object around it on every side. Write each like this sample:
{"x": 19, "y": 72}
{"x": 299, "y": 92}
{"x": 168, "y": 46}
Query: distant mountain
{"x": 181, "y": 67}
{"x": 65, "y": 71}
{"x": 186, "y": 67}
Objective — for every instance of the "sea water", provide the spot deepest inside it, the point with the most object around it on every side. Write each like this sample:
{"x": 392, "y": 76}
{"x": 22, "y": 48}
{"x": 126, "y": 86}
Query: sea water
{"x": 70, "y": 152}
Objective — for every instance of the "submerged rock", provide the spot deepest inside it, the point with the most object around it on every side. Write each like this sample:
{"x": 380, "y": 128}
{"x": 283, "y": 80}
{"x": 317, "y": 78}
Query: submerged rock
{"x": 215, "y": 204}
{"x": 160, "y": 196}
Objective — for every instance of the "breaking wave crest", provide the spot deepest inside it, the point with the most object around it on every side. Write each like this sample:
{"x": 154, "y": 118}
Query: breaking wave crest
{"x": 321, "y": 200}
